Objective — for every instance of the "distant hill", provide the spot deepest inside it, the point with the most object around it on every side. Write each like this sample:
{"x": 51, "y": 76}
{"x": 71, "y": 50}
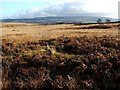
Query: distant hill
{"x": 60, "y": 20}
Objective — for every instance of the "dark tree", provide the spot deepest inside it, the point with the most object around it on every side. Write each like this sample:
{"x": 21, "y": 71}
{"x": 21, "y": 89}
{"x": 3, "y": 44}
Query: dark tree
{"x": 99, "y": 21}
{"x": 107, "y": 20}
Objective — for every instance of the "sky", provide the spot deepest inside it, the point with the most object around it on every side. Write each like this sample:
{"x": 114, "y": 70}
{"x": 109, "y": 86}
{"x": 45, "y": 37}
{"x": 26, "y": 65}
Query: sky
{"x": 41, "y": 8}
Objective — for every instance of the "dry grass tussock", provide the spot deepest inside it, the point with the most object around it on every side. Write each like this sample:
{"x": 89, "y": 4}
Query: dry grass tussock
{"x": 48, "y": 57}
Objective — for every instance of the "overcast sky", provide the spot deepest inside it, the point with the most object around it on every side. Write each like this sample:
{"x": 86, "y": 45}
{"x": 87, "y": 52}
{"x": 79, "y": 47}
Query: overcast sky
{"x": 37, "y": 8}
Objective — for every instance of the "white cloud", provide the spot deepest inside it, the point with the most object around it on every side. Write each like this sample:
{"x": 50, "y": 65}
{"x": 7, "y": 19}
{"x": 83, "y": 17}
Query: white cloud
{"x": 108, "y": 8}
{"x": 66, "y": 8}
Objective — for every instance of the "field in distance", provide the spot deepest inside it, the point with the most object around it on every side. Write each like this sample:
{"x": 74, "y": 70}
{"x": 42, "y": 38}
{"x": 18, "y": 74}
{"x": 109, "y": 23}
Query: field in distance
{"x": 23, "y": 31}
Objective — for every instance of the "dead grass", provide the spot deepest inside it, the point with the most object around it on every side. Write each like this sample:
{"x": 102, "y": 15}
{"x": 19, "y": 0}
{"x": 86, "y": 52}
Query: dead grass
{"x": 19, "y": 32}
{"x": 25, "y": 44}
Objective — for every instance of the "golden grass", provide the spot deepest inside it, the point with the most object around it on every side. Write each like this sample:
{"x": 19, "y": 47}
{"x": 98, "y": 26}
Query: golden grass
{"x": 21, "y": 32}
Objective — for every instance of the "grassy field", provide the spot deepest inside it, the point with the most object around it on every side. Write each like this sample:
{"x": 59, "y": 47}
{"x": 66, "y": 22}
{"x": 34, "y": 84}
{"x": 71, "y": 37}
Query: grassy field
{"x": 27, "y": 32}
{"x": 60, "y": 56}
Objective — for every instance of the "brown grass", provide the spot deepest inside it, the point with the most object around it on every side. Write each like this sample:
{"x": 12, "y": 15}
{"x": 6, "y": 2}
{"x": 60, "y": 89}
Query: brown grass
{"x": 30, "y": 32}
{"x": 60, "y": 55}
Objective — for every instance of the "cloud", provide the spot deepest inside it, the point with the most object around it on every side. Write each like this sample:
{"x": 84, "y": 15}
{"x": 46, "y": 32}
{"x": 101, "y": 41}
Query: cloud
{"x": 73, "y": 7}
{"x": 53, "y": 9}
{"x": 29, "y": 13}
{"x": 66, "y": 8}
{"x": 106, "y": 7}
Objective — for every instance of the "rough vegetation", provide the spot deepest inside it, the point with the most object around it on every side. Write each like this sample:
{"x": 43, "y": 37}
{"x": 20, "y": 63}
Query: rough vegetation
{"x": 74, "y": 63}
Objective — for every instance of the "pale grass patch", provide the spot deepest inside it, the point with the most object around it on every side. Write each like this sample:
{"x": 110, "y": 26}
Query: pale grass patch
{"x": 35, "y": 32}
